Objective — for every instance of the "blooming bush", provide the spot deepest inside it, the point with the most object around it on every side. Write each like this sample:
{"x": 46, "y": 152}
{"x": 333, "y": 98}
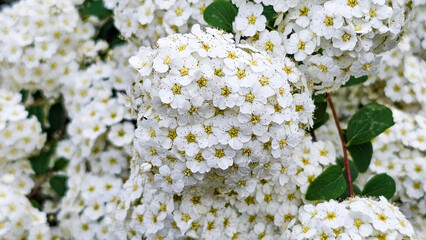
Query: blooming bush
{"x": 202, "y": 119}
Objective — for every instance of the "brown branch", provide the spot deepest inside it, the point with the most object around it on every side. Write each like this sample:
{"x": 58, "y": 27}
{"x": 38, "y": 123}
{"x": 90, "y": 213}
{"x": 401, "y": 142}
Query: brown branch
{"x": 345, "y": 150}
{"x": 39, "y": 184}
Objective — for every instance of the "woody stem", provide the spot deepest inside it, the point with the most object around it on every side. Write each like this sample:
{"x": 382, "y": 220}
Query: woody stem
{"x": 345, "y": 150}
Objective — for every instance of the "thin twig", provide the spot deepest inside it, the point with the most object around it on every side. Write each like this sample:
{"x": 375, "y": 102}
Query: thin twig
{"x": 39, "y": 184}
{"x": 345, "y": 150}
{"x": 314, "y": 137}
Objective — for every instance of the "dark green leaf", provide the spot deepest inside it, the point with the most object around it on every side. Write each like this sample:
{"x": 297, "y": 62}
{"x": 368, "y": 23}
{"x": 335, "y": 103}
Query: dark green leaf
{"x": 40, "y": 163}
{"x": 36, "y": 204}
{"x": 59, "y": 184}
{"x": 361, "y": 154}
{"x": 380, "y": 185}
{"x": 330, "y": 184}
{"x": 270, "y": 14}
{"x": 24, "y": 93}
{"x": 38, "y": 112}
{"x": 354, "y": 171}
{"x": 95, "y": 8}
{"x": 56, "y": 117}
{"x": 109, "y": 33}
{"x": 221, "y": 14}
{"x": 368, "y": 123}
{"x": 320, "y": 113}
{"x": 60, "y": 164}
{"x": 354, "y": 81}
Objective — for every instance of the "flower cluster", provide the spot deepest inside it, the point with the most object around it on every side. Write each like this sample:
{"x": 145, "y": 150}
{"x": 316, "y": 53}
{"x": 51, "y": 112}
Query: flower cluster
{"x": 404, "y": 69}
{"x": 98, "y": 146}
{"x": 20, "y": 134}
{"x": 401, "y": 154}
{"x": 17, "y": 175}
{"x": 97, "y": 110}
{"x": 332, "y": 40}
{"x": 272, "y": 197}
{"x": 84, "y": 209}
{"x": 355, "y": 218}
{"x": 18, "y": 218}
{"x": 210, "y": 108}
{"x": 39, "y": 43}
{"x": 145, "y": 22}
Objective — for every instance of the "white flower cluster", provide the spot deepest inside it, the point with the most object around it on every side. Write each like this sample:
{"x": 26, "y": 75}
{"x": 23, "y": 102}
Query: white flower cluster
{"x": 332, "y": 40}
{"x": 98, "y": 146}
{"x": 272, "y": 197}
{"x": 20, "y": 135}
{"x": 97, "y": 111}
{"x": 39, "y": 43}
{"x": 16, "y": 175}
{"x": 401, "y": 153}
{"x": 355, "y": 218}
{"x": 210, "y": 108}
{"x": 83, "y": 210}
{"x": 19, "y": 219}
{"x": 403, "y": 71}
{"x": 147, "y": 21}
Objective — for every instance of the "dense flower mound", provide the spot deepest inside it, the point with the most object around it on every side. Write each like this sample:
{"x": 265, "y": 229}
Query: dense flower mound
{"x": 266, "y": 205}
{"x": 20, "y": 135}
{"x": 355, "y": 218}
{"x": 209, "y": 108}
{"x": 18, "y": 218}
{"x": 40, "y": 42}
{"x": 144, "y": 22}
{"x": 332, "y": 40}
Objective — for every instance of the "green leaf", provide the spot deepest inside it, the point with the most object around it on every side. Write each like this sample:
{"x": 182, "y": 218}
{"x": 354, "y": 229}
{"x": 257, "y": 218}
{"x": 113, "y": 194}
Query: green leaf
{"x": 270, "y": 14}
{"x": 354, "y": 81}
{"x": 95, "y": 8}
{"x": 40, "y": 163}
{"x": 109, "y": 33}
{"x": 361, "y": 154}
{"x": 368, "y": 123}
{"x": 56, "y": 118}
{"x": 38, "y": 112}
{"x": 320, "y": 113}
{"x": 24, "y": 93}
{"x": 319, "y": 122}
{"x": 221, "y": 14}
{"x": 36, "y": 204}
{"x": 330, "y": 184}
{"x": 59, "y": 184}
{"x": 354, "y": 171}
{"x": 60, "y": 164}
{"x": 380, "y": 185}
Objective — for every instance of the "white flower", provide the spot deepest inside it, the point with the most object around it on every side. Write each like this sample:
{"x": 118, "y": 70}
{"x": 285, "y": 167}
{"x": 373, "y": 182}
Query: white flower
{"x": 301, "y": 44}
{"x": 121, "y": 134}
{"x": 249, "y": 19}
{"x": 365, "y": 64}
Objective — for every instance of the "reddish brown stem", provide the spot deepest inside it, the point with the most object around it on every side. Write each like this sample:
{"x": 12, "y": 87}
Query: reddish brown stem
{"x": 345, "y": 150}
{"x": 39, "y": 184}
